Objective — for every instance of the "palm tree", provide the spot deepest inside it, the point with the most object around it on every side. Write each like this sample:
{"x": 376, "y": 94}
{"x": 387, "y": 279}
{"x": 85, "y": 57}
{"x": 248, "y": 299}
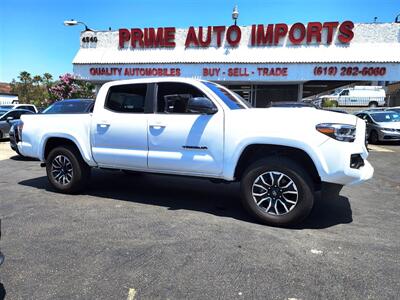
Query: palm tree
{"x": 25, "y": 77}
{"x": 37, "y": 79}
{"x": 26, "y": 82}
{"x": 47, "y": 78}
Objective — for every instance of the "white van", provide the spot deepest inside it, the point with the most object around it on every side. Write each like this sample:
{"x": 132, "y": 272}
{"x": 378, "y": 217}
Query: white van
{"x": 8, "y": 99}
{"x": 372, "y": 96}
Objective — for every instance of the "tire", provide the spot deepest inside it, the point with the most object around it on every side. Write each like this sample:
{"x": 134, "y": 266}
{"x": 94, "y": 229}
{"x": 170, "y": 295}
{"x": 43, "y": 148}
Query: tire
{"x": 68, "y": 162}
{"x": 373, "y": 104}
{"x": 19, "y": 153}
{"x": 373, "y": 137}
{"x": 277, "y": 214}
{"x": 1, "y": 135}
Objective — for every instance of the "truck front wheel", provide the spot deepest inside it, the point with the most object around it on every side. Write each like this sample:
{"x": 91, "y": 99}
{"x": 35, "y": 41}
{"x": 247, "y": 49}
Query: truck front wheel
{"x": 67, "y": 172}
{"x": 277, "y": 191}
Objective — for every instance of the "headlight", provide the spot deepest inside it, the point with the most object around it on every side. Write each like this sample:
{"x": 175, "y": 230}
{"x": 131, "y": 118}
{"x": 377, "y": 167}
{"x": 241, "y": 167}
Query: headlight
{"x": 340, "y": 132}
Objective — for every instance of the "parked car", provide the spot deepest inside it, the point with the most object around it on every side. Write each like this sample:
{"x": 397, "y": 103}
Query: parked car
{"x": 30, "y": 107}
{"x": 381, "y": 125}
{"x": 71, "y": 106}
{"x": 396, "y": 109}
{"x": 191, "y": 127}
{"x": 8, "y": 118}
{"x": 372, "y": 96}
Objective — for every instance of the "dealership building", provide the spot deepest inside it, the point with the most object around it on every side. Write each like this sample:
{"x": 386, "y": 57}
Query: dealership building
{"x": 261, "y": 62}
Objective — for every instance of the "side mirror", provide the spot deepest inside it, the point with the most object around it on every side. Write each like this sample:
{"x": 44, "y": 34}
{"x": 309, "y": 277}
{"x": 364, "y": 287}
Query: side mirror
{"x": 201, "y": 105}
{"x": 9, "y": 119}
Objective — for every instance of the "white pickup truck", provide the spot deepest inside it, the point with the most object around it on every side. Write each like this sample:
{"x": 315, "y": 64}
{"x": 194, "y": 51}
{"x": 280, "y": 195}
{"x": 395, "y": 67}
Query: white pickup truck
{"x": 198, "y": 128}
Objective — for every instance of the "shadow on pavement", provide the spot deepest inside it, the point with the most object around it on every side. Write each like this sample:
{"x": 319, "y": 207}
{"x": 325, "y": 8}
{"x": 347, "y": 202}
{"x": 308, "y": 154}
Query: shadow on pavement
{"x": 176, "y": 192}
{"x": 2, "y": 291}
{"x": 328, "y": 213}
{"x": 23, "y": 158}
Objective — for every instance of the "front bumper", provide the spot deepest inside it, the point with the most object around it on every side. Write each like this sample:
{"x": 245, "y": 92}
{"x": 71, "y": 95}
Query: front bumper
{"x": 336, "y": 160}
{"x": 385, "y": 135}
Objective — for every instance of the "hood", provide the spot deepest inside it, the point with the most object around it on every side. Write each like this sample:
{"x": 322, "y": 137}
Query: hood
{"x": 328, "y": 96}
{"x": 281, "y": 123}
{"x": 298, "y": 115}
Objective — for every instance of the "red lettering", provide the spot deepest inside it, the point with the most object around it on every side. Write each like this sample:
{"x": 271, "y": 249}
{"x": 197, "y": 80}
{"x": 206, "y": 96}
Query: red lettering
{"x": 136, "y": 36}
{"x": 301, "y": 29}
{"x": 219, "y": 30}
{"x": 151, "y": 39}
{"x": 346, "y": 32}
{"x": 264, "y": 37}
{"x": 233, "y": 30}
{"x": 331, "y": 26}
{"x": 124, "y": 36}
{"x": 314, "y": 30}
{"x": 191, "y": 37}
{"x": 280, "y": 31}
{"x": 169, "y": 37}
{"x": 207, "y": 42}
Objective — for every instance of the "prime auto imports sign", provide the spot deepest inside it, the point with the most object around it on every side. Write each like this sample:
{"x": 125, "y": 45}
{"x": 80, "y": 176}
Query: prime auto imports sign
{"x": 261, "y": 35}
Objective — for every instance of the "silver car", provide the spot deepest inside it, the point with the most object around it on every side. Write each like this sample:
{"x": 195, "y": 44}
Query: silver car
{"x": 381, "y": 125}
{"x": 7, "y": 118}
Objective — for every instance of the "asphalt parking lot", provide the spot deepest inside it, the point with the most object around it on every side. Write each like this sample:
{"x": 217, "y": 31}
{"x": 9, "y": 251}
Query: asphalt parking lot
{"x": 163, "y": 237}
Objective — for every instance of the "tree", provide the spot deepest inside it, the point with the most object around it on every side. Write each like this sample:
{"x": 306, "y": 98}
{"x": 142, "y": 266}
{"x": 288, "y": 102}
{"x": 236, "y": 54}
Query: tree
{"x": 25, "y": 86}
{"x": 70, "y": 87}
{"x": 42, "y": 90}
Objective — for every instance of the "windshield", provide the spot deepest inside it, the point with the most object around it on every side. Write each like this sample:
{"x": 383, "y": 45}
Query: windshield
{"x": 67, "y": 107}
{"x": 3, "y": 111}
{"x": 231, "y": 99}
{"x": 386, "y": 117}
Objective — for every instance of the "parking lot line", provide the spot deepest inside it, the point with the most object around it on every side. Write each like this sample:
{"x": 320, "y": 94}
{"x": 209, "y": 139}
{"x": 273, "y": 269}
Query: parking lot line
{"x": 378, "y": 148}
{"x": 131, "y": 294}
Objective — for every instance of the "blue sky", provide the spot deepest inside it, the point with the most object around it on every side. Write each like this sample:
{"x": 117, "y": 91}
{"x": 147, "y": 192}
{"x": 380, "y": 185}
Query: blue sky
{"x": 33, "y": 37}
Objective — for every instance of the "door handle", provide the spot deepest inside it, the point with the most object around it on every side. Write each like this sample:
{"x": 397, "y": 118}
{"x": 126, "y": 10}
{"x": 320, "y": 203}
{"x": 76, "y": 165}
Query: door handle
{"x": 157, "y": 126}
{"x": 103, "y": 124}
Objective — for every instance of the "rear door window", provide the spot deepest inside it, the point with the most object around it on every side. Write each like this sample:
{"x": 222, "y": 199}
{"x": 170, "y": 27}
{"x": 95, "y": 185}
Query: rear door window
{"x": 127, "y": 98}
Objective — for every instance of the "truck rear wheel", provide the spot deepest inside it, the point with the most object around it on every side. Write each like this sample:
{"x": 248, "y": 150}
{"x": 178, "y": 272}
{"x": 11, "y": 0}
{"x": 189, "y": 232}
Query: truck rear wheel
{"x": 66, "y": 171}
{"x": 277, "y": 191}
